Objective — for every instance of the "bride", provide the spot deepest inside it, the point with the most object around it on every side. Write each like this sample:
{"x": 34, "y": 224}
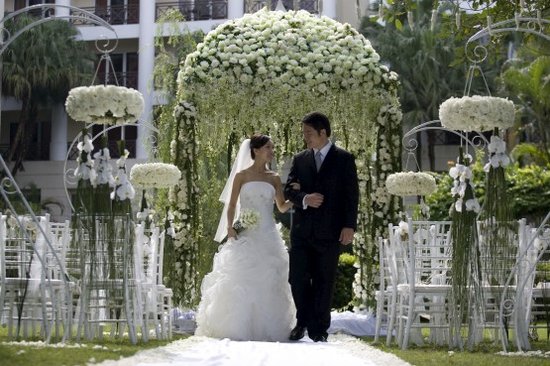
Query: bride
{"x": 247, "y": 295}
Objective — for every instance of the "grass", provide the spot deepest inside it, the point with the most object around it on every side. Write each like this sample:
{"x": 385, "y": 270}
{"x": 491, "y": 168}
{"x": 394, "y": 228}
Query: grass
{"x": 484, "y": 354}
{"x": 72, "y": 353}
{"x": 81, "y": 353}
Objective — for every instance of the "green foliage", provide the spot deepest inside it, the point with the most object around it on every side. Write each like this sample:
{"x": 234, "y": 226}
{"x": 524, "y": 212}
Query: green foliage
{"x": 31, "y": 193}
{"x": 543, "y": 272}
{"x": 527, "y": 153}
{"x": 39, "y": 68}
{"x": 345, "y": 273}
{"x": 529, "y": 86}
{"x": 528, "y": 190}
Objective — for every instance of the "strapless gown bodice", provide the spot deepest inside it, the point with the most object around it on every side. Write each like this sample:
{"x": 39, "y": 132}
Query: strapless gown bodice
{"x": 247, "y": 295}
{"x": 258, "y": 196}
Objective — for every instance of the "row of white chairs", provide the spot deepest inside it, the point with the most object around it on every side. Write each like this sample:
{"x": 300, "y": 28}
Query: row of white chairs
{"x": 415, "y": 290}
{"x": 63, "y": 282}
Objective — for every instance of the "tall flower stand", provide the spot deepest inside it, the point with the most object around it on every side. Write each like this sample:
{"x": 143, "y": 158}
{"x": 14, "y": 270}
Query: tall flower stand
{"x": 108, "y": 300}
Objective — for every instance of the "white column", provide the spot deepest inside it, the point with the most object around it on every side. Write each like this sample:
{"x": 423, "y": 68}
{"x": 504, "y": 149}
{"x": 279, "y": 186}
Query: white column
{"x": 235, "y": 9}
{"x": 145, "y": 75}
{"x": 329, "y": 8}
{"x": 62, "y": 11}
{"x": 58, "y": 140}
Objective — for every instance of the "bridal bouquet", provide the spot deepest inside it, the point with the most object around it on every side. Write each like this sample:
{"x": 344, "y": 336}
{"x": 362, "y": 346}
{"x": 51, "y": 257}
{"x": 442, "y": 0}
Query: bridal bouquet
{"x": 247, "y": 220}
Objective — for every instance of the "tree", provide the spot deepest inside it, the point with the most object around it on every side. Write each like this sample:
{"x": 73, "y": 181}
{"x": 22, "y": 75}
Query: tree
{"x": 423, "y": 60}
{"x": 530, "y": 87}
{"x": 39, "y": 69}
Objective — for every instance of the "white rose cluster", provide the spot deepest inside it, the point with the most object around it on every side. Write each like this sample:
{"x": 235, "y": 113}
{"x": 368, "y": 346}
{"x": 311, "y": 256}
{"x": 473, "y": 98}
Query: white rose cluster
{"x": 286, "y": 50}
{"x": 410, "y": 184}
{"x": 477, "y": 113}
{"x": 154, "y": 175}
{"x": 104, "y": 104}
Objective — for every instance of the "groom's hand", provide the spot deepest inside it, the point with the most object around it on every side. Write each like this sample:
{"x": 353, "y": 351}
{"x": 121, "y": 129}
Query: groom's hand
{"x": 314, "y": 200}
{"x": 346, "y": 235}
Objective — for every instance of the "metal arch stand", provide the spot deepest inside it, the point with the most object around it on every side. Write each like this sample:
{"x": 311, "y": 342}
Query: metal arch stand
{"x": 80, "y": 14}
{"x": 529, "y": 25}
{"x": 411, "y": 144}
{"x": 9, "y": 180}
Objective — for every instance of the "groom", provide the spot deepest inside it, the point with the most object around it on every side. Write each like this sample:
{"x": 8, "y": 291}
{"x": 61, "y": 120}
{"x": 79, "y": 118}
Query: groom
{"x": 323, "y": 186}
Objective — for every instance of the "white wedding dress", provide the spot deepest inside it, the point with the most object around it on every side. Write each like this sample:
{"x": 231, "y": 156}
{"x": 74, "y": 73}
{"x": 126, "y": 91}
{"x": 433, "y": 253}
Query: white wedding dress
{"x": 247, "y": 295}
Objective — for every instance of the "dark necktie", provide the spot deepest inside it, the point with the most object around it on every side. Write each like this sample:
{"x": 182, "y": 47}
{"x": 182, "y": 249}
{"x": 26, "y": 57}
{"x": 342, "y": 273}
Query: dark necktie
{"x": 318, "y": 159}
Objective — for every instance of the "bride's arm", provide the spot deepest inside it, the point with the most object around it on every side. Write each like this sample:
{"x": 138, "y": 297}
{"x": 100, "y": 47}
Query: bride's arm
{"x": 237, "y": 183}
{"x": 282, "y": 204}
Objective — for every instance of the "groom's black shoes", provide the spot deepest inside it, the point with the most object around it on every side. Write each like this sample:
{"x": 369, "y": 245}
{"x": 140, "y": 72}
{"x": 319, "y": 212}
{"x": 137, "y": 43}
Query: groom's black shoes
{"x": 297, "y": 333}
{"x": 318, "y": 338}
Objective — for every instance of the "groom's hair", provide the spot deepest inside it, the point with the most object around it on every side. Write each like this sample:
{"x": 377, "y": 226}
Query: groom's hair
{"x": 257, "y": 141}
{"x": 318, "y": 121}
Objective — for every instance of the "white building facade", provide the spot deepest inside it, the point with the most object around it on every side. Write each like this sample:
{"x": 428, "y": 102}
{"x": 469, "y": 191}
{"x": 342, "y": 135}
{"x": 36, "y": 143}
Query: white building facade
{"x": 135, "y": 23}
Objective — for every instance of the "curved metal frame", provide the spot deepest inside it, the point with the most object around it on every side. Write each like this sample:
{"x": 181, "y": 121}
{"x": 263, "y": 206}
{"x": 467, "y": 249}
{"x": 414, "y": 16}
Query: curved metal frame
{"x": 428, "y": 126}
{"x": 86, "y": 16}
{"x": 503, "y": 27}
{"x": 522, "y": 344}
{"x": 9, "y": 180}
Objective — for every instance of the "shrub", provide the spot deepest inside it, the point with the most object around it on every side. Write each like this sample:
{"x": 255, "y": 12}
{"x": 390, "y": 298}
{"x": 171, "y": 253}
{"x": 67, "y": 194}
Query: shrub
{"x": 345, "y": 274}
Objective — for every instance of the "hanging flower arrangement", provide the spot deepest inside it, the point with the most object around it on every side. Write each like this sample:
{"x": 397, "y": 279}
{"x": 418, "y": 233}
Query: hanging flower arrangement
{"x": 104, "y": 104}
{"x": 411, "y": 184}
{"x": 155, "y": 175}
{"x": 477, "y": 113}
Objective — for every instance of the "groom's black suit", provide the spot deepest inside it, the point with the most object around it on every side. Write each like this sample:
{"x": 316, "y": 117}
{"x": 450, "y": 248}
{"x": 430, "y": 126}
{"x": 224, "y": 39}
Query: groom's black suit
{"x": 315, "y": 232}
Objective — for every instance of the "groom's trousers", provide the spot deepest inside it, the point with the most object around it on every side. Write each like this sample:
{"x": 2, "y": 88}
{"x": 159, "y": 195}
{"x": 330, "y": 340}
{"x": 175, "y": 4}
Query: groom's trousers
{"x": 313, "y": 267}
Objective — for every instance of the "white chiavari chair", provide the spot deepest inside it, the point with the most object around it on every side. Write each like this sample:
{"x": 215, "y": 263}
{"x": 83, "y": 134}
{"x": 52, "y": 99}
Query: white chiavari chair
{"x": 423, "y": 300}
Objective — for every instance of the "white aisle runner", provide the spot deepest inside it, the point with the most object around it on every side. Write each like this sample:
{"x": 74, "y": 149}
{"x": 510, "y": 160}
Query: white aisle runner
{"x": 193, "y": 351}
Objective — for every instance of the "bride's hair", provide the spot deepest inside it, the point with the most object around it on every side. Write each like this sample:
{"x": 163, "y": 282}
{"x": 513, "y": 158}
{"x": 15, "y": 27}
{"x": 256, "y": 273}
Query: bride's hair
{"x": 257, "y": 141}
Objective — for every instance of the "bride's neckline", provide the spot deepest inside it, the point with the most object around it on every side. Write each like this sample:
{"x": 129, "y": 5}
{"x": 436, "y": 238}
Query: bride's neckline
{"x": 258, "y": 181}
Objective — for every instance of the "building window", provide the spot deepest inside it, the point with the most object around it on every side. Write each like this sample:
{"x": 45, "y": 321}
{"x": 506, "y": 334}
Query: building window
{"x": 125, "y": 73}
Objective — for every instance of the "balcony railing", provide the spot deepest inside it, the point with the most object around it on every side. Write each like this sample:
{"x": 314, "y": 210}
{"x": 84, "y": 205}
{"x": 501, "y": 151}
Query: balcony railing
{"x": 116, "y": 14}
{"x": 251, "y": 6}
{"x": 128, "y": 79}
{"x": 195, "y": 10}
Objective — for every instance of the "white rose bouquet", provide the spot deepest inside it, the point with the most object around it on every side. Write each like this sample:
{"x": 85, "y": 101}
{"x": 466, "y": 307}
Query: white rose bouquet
{"x": 155, "y": 175}
{"x": 477, "y": 113}
{"x": 104, "y": 104}
{"x": 410, "y": 184}
{"x": 247, "y": 220}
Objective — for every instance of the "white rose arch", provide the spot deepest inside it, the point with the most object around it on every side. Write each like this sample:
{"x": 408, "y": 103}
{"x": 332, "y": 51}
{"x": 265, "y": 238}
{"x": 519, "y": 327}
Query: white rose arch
{"x": 264, "y": 72}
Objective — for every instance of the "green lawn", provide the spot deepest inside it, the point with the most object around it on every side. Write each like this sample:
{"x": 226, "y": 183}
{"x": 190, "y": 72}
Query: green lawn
{"x": 74, "y": 353}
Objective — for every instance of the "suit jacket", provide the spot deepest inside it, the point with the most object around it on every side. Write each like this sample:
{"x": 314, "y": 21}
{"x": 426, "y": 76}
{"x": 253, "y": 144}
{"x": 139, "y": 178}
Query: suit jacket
{"x": 337, "y": 181}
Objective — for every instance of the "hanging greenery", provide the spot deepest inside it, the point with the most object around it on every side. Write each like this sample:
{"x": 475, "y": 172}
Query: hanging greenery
{"x": 497, "y": 227}
{"x": 182, "y": 250}
{"x": 466, "y": 278}
{"x": 265, "y": 71}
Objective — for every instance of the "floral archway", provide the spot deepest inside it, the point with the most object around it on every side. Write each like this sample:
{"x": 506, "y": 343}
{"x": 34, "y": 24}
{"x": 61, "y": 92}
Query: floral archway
{"x": 263, "y": 72}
